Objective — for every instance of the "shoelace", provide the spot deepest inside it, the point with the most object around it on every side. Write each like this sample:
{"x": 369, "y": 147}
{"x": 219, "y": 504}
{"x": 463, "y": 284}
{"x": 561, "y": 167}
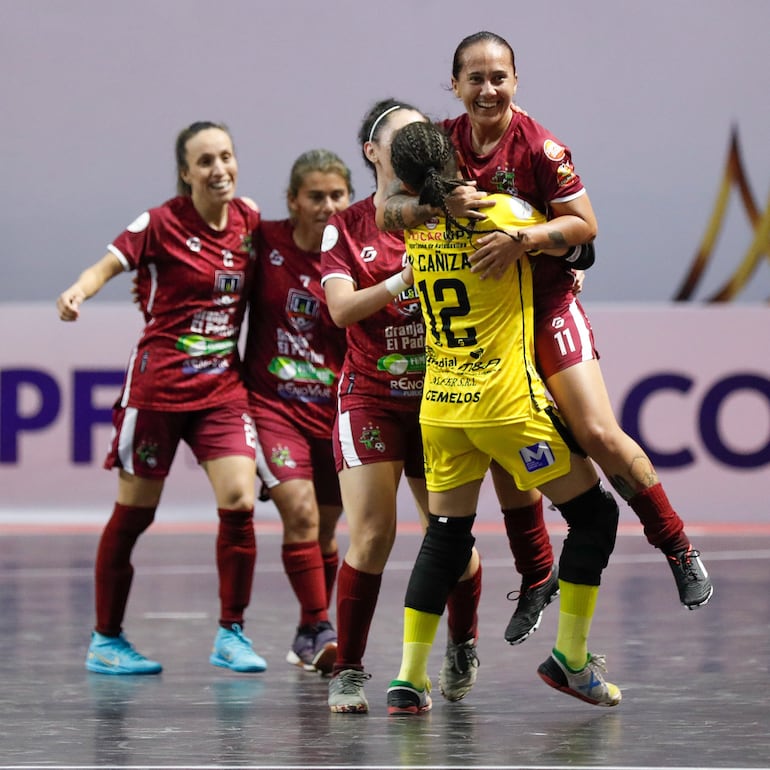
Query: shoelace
{"x": 351, "y": 680}
{"x": 512, "y": 596}
{"x": 463, "y": 656}
{"x": 597, "y": 661}
{"x": 238, "y": 638}
{"x": 685, "y": 563}
{"x": 128, "y": 650}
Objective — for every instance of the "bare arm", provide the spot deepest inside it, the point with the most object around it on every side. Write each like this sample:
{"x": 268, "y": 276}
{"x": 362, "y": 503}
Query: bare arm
{"x": 348, "y": 305}
{"x": 400, "y": 209}
{"x": 90, "y": 281}
{"x": 574, "y": 223}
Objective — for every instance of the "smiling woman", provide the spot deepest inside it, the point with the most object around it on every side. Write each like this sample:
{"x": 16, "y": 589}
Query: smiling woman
{"x": 194, "y": 262}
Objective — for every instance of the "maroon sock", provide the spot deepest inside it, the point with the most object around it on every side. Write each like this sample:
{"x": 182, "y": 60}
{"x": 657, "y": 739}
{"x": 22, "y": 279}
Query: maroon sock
{"x": 462, "y": 609}
{"x": 304, "y": 567}
{"x": 662, "y": 526}
{"x": 331, "y": 565}
{"x": 114, "y": 572}
{"x": 357, "y": 594}
{"x": 529, "y": 542}
{"x": 236, "y": 548}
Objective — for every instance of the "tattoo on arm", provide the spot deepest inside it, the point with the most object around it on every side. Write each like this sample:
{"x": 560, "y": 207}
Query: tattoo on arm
{"x": 558, "y": 240}
{"x": 394, "y": 215}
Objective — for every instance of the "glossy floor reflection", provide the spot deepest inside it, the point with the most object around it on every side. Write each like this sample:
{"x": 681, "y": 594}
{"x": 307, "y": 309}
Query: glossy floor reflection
{"x": 694, "y": 684}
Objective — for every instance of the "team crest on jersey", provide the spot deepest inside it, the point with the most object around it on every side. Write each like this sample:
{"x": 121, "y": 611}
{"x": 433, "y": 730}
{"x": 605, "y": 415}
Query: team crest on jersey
{"x": 537, "y": 456}
{"x": 371, "y": 438}
{"x": 281, "y": 456}
{"x": 275, "y": 258}
{"x": 247, "y": 245}
{"x": 301, "y": 310}
{"x": 504, "y": 180}
{"x": 227, "y": 287}
{"x": 553, "y": 151}
{"x": 408, "y": 303}
{"x": 148, "y": 454}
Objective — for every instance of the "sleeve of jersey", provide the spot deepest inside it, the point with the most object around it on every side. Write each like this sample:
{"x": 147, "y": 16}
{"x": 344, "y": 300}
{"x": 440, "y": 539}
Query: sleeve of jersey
{"x": 554, "y": 170}
{"x": 335, "y": 253}
{"x": 134, "y": 241}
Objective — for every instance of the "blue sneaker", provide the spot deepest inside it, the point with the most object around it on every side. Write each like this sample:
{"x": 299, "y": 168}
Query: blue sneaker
{"x": 234, "y": 651}
{"x": 116, "y": 655}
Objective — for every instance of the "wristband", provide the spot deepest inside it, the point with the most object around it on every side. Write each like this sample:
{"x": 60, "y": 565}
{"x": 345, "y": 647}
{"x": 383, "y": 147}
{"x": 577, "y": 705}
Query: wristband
{"x": 396, "y": 284}
{"x": 581, "y": 257}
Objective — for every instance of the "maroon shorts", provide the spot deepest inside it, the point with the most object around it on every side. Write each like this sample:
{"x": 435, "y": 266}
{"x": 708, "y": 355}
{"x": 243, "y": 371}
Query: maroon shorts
{"x": 284, "y": 453}
{"x": 144, "y": 441}
{"x": 363, "y": 436}
{"x": 563, "y": 336}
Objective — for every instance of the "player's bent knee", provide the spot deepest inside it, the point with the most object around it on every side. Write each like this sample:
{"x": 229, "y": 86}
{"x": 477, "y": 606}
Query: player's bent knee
{"x": 592, "y": 525}
{"x": 445, "y": 552}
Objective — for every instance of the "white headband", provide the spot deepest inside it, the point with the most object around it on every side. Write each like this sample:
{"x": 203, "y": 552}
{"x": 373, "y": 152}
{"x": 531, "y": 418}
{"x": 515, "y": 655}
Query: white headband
{"x": 377, "y": 122}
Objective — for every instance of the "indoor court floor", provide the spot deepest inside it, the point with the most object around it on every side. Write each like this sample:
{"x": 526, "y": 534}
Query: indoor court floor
{"x": 695, "y": 684}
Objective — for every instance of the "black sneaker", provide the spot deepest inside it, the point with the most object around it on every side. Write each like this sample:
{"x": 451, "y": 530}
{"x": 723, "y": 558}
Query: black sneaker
{"x": 405, "y": 698}
{"x": 529, "y": 611}
{"x": 692, "y": 579}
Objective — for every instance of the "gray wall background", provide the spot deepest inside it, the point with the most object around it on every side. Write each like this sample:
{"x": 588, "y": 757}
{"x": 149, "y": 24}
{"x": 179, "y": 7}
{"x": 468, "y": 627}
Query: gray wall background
{"x": 93, "y": 93}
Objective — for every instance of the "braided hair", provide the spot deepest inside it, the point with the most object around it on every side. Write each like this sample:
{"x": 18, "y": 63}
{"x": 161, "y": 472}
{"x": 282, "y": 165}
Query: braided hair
{"x": 423, "y": 158}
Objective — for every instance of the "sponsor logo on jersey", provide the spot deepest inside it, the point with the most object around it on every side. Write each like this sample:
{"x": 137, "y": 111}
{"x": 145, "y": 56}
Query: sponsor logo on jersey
{"x": 398, "y": 364}
{"x": 196, "y": 345}
{"x": 288, "y": 369}
{"x": 368, "y": 254}
{"x": 553, "y": 151}
{"x": 194, "y": 244}
{"x": 443, "y": 397}
{"x": 140, "y": 223}
{"x": 537, "y": 456}
{"x": 565, "y": 174}
{"x": 275, "y": 258}
{"x": 330, "y": 237}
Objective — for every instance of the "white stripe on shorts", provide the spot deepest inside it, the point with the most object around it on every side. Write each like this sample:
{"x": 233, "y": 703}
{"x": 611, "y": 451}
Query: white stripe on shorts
{"x": 347, "y": 442}
{"x": 126, "y": 439}
{"x": 584, "y": 333}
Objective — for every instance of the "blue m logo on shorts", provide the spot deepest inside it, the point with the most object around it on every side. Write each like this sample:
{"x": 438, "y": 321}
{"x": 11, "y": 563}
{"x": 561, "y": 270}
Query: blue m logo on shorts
{"x": 537, "y": 456}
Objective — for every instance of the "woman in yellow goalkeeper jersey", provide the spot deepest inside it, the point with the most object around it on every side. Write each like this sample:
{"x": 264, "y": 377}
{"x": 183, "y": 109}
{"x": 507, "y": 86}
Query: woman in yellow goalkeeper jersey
{"x": 483, "y": 400}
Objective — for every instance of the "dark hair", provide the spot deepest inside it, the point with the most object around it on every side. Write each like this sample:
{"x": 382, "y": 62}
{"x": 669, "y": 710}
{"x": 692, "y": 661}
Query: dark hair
{"x": 324, "y": 161}
{"x": 423, "y": 157}
{"x": 180, "y": 150}
{"x": 374, "y": 121}
{"x": 479, "y": 37}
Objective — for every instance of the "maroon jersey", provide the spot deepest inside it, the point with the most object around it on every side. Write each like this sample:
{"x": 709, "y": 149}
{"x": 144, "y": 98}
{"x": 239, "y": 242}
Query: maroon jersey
{"x": 530, "y": 163}
{"x": 294, "y": 350}
{"x": 192, "y": 282}
{"x": 385, "y": 352}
